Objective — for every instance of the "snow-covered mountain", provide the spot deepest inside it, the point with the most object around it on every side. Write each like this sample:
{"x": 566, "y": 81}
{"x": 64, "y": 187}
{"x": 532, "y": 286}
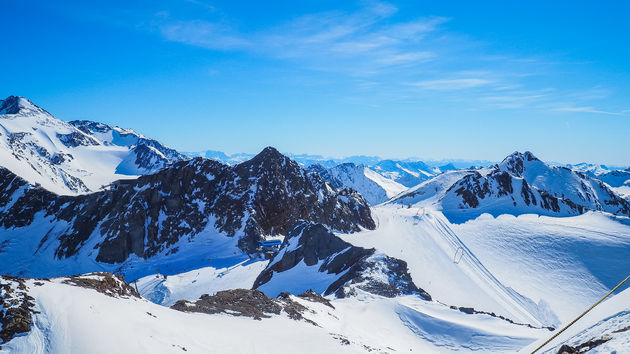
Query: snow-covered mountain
{"x": 520, "y": 184}
{"x": 409, "y": 173}
{"x": 617, "y": 178}
{"x": 376, "y": 179}
{"x": 374, "y": 187}
{"x": 174, "y": 219}
{"x": 304, "y": 160}
{"x": 593, "y": 170}
{"x": 147, "y": 155}
{"x": 76, "y": 157}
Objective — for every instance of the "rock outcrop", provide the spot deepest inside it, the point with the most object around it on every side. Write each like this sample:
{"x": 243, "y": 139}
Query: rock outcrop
{"x": 348, "y": 267}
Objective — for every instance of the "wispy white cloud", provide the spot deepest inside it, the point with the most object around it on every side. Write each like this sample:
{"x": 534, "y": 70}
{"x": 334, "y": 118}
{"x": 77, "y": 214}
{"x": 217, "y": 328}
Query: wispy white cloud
{"x": 451, "y": 84}
{"x": 404, "y": 59}
{"x": 202, "y": 3}
{"x": 588, "y": 109}
{"x": 204, "y": 34}
{"x": 361, "y": 42}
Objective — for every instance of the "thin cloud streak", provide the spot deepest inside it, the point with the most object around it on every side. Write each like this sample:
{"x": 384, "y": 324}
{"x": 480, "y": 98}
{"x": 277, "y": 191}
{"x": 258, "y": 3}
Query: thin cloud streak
{"x": 412, "y": 58}
{"x": 204, "y": 34}
{"x": 356, "y": 43}
{"x": 588, "y": 110}
{"x": 452, "y": 84}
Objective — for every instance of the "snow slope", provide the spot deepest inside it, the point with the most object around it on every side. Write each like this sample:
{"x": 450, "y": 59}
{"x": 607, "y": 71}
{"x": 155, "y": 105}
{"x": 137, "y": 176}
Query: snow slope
{"x": 166, "y": 290}
{"x": 74, "y": 319}
{"x": 407, "y": 173}
{"x": 440, "y": 263}
{"x": 566, "y": 262}
{"x": 610, "y": 321}
{"x": 430, "y": 192}
{"x": 67, "y": 160}
{"x": 374, "y": 187}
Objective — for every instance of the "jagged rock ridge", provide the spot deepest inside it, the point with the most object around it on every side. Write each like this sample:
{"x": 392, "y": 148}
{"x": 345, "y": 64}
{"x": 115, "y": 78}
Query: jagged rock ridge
{"x": 150, "y": 215}
{"x": 347, "y": 267}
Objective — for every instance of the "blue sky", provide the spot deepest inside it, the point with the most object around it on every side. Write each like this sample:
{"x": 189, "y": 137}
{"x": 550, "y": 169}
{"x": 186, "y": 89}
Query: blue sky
{"x": 432, "y": 79}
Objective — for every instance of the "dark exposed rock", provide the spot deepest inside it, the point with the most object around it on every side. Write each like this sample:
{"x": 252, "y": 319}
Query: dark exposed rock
{"x": 263, "y": 196}
{"x": 19, "y": 105}
{"x": 76, "y": 138}
{"x": 16, "y": 308}
{"x": 472, "y": 311}
{"x": 398, "y": 281}
{"x": 310, "y": 295}
{"x": 242, "y": 302}
{"x": 467, "y": 310}
{"x": 10, "y": 105}
{"x": 113, "y": 285}
{"x": 315, "y": 245}
{"x": 584, "y": 347}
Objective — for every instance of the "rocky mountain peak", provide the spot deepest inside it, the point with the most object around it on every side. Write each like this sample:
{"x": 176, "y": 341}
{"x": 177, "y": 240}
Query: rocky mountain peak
{"x": 268, "y": 155}
{"x": 271, "y": 164}
{"x": 515, "y": 162}
{"x": 19, "y": 105}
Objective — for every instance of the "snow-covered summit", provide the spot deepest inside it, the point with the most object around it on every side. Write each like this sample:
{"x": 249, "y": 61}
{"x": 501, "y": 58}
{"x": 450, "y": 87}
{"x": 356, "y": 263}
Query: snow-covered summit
{"x": 147, "y": 155}
{"x": 373, "y": 186}
{"x": 67, "y": 158}
{"x": 520, "y": 184}
{"x": 19, "y": 105}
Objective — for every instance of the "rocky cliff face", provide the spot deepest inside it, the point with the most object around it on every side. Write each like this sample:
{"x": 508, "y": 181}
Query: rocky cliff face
{"x": 343, "y": 267}
{"x": 148, "y": 216}
{"x": 16, "y": 308}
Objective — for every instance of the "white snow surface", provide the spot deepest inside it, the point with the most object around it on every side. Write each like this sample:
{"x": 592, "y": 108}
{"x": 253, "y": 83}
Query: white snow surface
{"x": 609, "y": 319}
{"x": 441, "y": 264}
{"x": 567, "y": 263}
{"x": 78, "y": 320}
{"x": 166, "y": 290}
